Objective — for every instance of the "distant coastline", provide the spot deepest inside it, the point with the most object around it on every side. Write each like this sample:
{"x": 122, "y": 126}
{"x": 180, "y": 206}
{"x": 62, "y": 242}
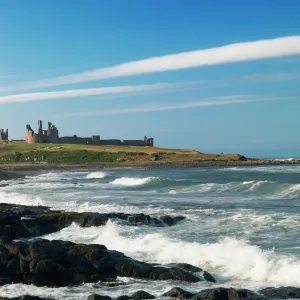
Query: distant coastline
{"x": 16, "y": 171}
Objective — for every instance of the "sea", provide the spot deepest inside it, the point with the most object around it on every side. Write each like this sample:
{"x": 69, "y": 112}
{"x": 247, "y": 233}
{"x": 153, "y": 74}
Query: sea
{"x": 242, "y": 223}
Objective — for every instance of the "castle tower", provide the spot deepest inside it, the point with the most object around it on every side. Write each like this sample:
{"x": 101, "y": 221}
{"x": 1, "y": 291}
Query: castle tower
{"x": 40, "y": 127}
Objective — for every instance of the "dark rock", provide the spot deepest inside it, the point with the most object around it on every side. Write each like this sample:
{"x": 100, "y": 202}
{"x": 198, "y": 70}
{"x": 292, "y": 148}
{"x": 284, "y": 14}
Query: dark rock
{"x": 139, "y": 295}
{"x": 186, "y": 267}
{"x": 227, "y": 294}
{"x": 124, "y": 297}
{"x": 170, "y": 221}
{"x": 4, "y": 184}
{"x": 98, "y": 297}
{"x": 178, "y": 293}
{"x": 59, "y": 263}
{"x": 208, "y": 277}
{"x": 242, "y": 158}
{"x": 214, "y": 294}
{"x": 190, "y": 268}
{"x": 17, "y": 221}
{"x": 217, "y": 294}
{"x": 281, "y": 292}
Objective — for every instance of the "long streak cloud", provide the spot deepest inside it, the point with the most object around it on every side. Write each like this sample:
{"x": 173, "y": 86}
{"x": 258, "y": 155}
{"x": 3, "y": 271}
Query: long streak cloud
{"x": 214, "y": 101}
{"x": 238, "y": 52}
{"x": 115, "y": 90}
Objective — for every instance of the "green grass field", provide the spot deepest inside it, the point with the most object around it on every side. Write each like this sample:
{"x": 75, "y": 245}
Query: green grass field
{"x": 22, "y": 153}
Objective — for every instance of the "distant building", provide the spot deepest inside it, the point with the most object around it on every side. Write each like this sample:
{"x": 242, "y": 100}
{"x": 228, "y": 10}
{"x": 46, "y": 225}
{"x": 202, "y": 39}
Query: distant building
{"x": 3, "y": 135}
{"x": 51, "y": 136}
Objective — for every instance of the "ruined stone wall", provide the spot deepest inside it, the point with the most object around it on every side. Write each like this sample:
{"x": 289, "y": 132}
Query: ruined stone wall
{"x": 75, "y": 140}
{"x": 111, "y": 142}
{"x": 134, "y": 143}
{"x": 30, "y": 135}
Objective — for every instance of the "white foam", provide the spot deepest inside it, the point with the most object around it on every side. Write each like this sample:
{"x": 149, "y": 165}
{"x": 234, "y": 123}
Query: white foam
{"x": 245, "y": 186}
{"x": 16, "y": 198}
{"x": 132, "y": 181}
{"x": 292, "y": 191}
{"x": 172, "y": 192}
{"x": 229, "y": 258}
{"x": 267, "y": 169}
{"x": 99, "y": 175}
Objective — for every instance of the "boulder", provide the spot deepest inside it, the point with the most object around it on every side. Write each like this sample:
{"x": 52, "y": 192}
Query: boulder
{"x": 139, "y": 295}
{"x": 190, "y": 268}
{"x": 214, "y": 294}
{"x": 98, "y": 297}
{"x": 178, "y": 293}
{"x": 59, "y": 263}
{"x": 17, "y": 221}
{"x": 281, "y": 292}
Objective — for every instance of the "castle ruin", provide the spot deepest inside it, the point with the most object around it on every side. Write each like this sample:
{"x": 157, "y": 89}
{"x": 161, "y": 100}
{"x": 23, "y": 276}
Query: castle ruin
{"x": 42, "y": 136}
{"x": 3, "y": 135}
{"x": 51, "y": 136}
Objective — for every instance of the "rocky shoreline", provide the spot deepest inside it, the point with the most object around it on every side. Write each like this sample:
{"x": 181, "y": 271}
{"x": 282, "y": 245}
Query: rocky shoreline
{"x": 56, "y": 263}
{"x": 13, "y": 172}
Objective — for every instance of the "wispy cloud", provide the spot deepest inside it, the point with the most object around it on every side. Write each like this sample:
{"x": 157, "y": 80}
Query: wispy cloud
{"x": 131, "y": 90}
{"x": 115, "y": 90}
{"x": 9, "y": 76}
{"x": 238, "y": 52}
{"x": 213, "y": 101}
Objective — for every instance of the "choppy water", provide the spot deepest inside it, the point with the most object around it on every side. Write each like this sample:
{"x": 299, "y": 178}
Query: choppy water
{"x": 242, "y": 223}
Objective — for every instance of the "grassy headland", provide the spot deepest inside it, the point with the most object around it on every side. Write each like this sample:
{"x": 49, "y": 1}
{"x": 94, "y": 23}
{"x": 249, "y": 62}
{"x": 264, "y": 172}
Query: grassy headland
{"x": 21, "y": 153}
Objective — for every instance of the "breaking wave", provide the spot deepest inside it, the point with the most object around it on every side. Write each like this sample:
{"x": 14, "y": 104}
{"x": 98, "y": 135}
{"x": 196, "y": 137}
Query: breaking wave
{"x": 93, "y": 175}
{"x": 23, "y": 199}
{"x": 262, "y": 188}
{"x": 132, "y": 181}
{"x": 234, "y": 259}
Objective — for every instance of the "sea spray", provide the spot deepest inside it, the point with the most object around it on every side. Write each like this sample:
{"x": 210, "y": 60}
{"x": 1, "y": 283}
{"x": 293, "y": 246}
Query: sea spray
{"x": 230, "y": 258}
{"x": 132, "y": 181}
{"x": 97, "y": 175}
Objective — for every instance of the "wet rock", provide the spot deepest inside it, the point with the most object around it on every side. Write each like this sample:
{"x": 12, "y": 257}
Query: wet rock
{"x": 98, "y": 297}
{"x": 227, "y": 294}
{"x": 208, "y": 277}
{"x": 60, "y": 263}
{"x": 190, "y": 268}
{"x": 281, "y": 292}
{"x": 4, "y": 184}
{"x": 17, "y": 221}
{"x": 139, "y": 295}
{"x": 170, "y": 221}
{"x": 214, "y": 294}
{"x": 124, "y": 297}
{"x": 178, "y": 293}
{"x": 186, "y": 267}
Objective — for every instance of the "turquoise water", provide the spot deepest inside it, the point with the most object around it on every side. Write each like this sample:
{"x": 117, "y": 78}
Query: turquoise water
{"x": 242, "y": 224}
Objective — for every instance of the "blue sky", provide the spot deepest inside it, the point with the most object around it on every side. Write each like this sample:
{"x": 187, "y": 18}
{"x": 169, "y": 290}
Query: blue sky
{"x": 246, "y": 105}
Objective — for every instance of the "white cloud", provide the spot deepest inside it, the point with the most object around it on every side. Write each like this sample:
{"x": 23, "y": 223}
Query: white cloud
{"x": 125, "y": 91}
{"x": 238, "y": 52}
{"x": 115, "y": 90}
{"x": 213, "y": 101}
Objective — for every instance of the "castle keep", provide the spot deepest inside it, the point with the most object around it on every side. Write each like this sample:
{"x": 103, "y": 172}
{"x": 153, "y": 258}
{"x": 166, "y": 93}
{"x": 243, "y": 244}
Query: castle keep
{"x": 51, "y": 136}
{"x": 3, "y": 135}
